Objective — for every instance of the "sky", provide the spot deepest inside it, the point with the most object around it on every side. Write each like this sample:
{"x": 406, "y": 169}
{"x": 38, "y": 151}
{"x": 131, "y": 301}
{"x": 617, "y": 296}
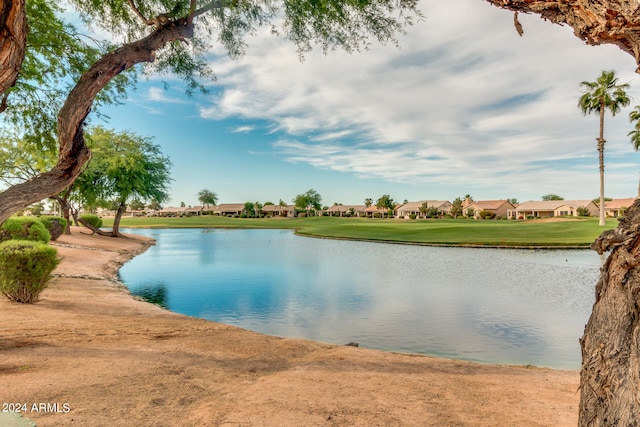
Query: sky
{"x": 463, "y": 106}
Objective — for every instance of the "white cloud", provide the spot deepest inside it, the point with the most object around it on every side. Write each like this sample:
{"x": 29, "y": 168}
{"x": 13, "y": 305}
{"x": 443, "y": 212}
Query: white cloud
{"x": 465, "y": 99}
{"x": 156, "y": 94}
{"x": 242, "y": 129}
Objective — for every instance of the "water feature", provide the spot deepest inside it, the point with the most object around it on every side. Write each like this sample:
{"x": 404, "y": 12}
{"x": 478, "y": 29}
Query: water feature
{"x": 504, "y": 306}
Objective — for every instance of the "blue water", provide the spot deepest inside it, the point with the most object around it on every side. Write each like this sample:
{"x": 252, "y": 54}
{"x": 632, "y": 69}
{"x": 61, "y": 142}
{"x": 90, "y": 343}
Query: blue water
{"x": 488, "y": 305}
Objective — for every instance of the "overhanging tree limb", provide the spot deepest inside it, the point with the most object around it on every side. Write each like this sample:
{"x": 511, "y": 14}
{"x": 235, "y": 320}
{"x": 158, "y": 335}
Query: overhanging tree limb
{"x": 73, "y": 150}
{"x": 594, "y": 21}
{"x": 13, "y": 40}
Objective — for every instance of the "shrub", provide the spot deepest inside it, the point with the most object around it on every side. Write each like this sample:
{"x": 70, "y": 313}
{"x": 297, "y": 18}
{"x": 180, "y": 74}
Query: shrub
{"x": 412, "y": 216}
{"x": 25, "y": 269}
{"x": 55, "y": 225}
{"x": 24, "y": 228}
{"x": 94, "y": 220}
{"x": 487, "y": 214}
{"x": 583, "y": 211}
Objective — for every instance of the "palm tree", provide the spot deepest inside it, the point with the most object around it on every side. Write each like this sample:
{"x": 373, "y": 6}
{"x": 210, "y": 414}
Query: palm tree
{"x": 603, "y": 94}
{"x": 634, "y": 116}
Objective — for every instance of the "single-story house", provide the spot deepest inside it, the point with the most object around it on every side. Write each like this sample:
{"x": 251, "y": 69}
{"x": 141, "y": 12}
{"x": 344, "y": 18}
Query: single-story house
{"x": 615, "y": 208}
{"x": 552, "y": 208}
{"x": 494, "y": 207}
{"x": 373, "y": 212}
{"x": 413, "y": 208}
{"x": 170, "y": 211}
{"x": 225, "y": 209}
{"x": 347, "y": 210}
{"x": 275, "y": 210}
{"x": 194, "y": 210}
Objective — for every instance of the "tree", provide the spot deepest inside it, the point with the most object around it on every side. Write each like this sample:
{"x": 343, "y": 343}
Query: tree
{"x": 600, "y": 95}
{"x": 56, "y": 55}
{"x": 249, "y": 209}
{"x": 207, "y": 197}
{"x": 13, "y": 21}
{"x": 634, "y": 116}
{"x": 368, "y": 202}
{"x": 456, "y": 207}
{"x": 424, "y": 208}
{"x": 308, "y": 201}
{"x": 385, "y": 202}
{"x": 548, "y": 197}
{"x": 124, "y": 167}
{"x": 513, "y": 200}
{"x": 157, "y": 32}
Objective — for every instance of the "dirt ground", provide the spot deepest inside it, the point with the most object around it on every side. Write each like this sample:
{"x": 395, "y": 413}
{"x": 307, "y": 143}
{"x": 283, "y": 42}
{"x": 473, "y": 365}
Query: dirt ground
{"x": 90, "y": 354}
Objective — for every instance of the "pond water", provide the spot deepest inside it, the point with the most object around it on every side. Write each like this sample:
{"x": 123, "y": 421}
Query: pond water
{"x": 503, "y": 306}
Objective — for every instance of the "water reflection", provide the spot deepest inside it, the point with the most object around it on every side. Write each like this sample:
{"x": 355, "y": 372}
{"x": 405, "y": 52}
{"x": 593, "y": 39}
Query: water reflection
{"x": 497, "y": 306}
{"x": 155, "y": 294}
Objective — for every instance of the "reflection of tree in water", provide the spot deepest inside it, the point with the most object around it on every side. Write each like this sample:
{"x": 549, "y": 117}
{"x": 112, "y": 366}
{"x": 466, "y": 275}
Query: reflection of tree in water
{"x": 155, "y": 294}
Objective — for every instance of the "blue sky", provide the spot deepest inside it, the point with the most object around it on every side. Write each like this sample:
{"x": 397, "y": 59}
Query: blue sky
{"x": 464, "y": 106}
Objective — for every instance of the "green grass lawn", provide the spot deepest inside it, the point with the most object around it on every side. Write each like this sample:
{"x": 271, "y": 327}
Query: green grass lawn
{"x": 574, "y": 232}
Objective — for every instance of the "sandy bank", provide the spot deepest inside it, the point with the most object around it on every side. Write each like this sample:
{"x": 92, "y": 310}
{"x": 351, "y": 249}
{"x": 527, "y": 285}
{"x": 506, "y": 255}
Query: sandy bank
{"x": 99, "y": 357}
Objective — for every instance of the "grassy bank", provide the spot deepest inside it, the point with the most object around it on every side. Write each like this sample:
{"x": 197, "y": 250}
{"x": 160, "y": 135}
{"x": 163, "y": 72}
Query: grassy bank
{"x": 570, "y": 232}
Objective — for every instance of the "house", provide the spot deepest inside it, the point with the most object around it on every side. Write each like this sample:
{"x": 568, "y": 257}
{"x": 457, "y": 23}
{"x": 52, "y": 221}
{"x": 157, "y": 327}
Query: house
{"x": 495, "y": 208}
{"x": 275, "y": 210}
{"x": 171, "y": 211}
{"x": 552, "y": 208}
{"x": 347, "y": 210}
{"x": 194, "y": 210}
{"x": 226, "y": 209}
{"x": 615, "y": 208}
{"x": 375, "y": 212}
{"x": 413, "y": 208}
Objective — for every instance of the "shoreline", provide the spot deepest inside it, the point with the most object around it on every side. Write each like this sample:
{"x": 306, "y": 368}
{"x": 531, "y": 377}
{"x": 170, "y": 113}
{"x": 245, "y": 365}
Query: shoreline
{"x": 116, "y": 360}
{"x": 391, "y": 242}
{"x": 446, "y": 245}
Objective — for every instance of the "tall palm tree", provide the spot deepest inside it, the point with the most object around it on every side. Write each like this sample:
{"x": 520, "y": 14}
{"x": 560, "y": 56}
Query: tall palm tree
{"x": 634, "y": 116}
{"x": 603, "y": 94}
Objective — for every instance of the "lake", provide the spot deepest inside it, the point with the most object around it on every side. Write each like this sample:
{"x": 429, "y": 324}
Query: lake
{"x": 505, "y": 306}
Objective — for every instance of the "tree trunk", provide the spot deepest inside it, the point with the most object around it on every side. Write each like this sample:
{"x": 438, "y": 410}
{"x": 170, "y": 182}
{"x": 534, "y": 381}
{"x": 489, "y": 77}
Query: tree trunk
{"x": 66, "y": 212}
{"x": 610, "y": 377}
{"x": 73, "y": 150}
{"x": 593, "y": 21}
{"x": 13, "y": 40}
{"x": 601, "y": 142}
{"x": 115, "y": 230}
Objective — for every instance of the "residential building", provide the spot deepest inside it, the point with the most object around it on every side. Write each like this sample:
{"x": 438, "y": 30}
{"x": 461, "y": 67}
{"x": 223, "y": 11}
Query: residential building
{"x": 495, "y": 208}
{"x": 413, "y": 208}
{"x": 615, "y": 208}
{"x": 275, "y": 210}
{"x": 225, "y": 209}
{"x": 347, "y": 210}
{"x": 552, "y": 208}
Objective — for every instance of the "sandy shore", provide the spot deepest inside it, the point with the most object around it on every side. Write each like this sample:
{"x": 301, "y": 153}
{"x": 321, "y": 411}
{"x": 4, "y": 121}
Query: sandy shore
{"x": 89, "y": 354}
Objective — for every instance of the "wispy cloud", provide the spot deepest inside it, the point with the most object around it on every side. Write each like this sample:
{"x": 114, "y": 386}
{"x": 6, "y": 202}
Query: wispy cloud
{"x": 156, "y": 94}
{"x": 463, "y": 101}
{"x": 242, "y": 129}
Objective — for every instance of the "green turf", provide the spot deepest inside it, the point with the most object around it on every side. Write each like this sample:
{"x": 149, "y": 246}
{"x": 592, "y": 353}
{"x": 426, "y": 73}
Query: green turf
{"x": 574, "y": 232}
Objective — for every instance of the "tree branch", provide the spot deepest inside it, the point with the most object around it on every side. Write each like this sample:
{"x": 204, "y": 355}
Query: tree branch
{"x": 593, "y": 21}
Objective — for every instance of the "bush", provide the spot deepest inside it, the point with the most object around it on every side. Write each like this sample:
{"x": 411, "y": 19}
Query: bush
{"x": 487, "y": 214}
{"x": 94, "y": 220}
{"x": 55, "y": 225}
{"x": 412, "y": 216}
{"x": 583, "y": 211}
{"x": 25, "y": 269}
{"x": 24, "y": 228}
